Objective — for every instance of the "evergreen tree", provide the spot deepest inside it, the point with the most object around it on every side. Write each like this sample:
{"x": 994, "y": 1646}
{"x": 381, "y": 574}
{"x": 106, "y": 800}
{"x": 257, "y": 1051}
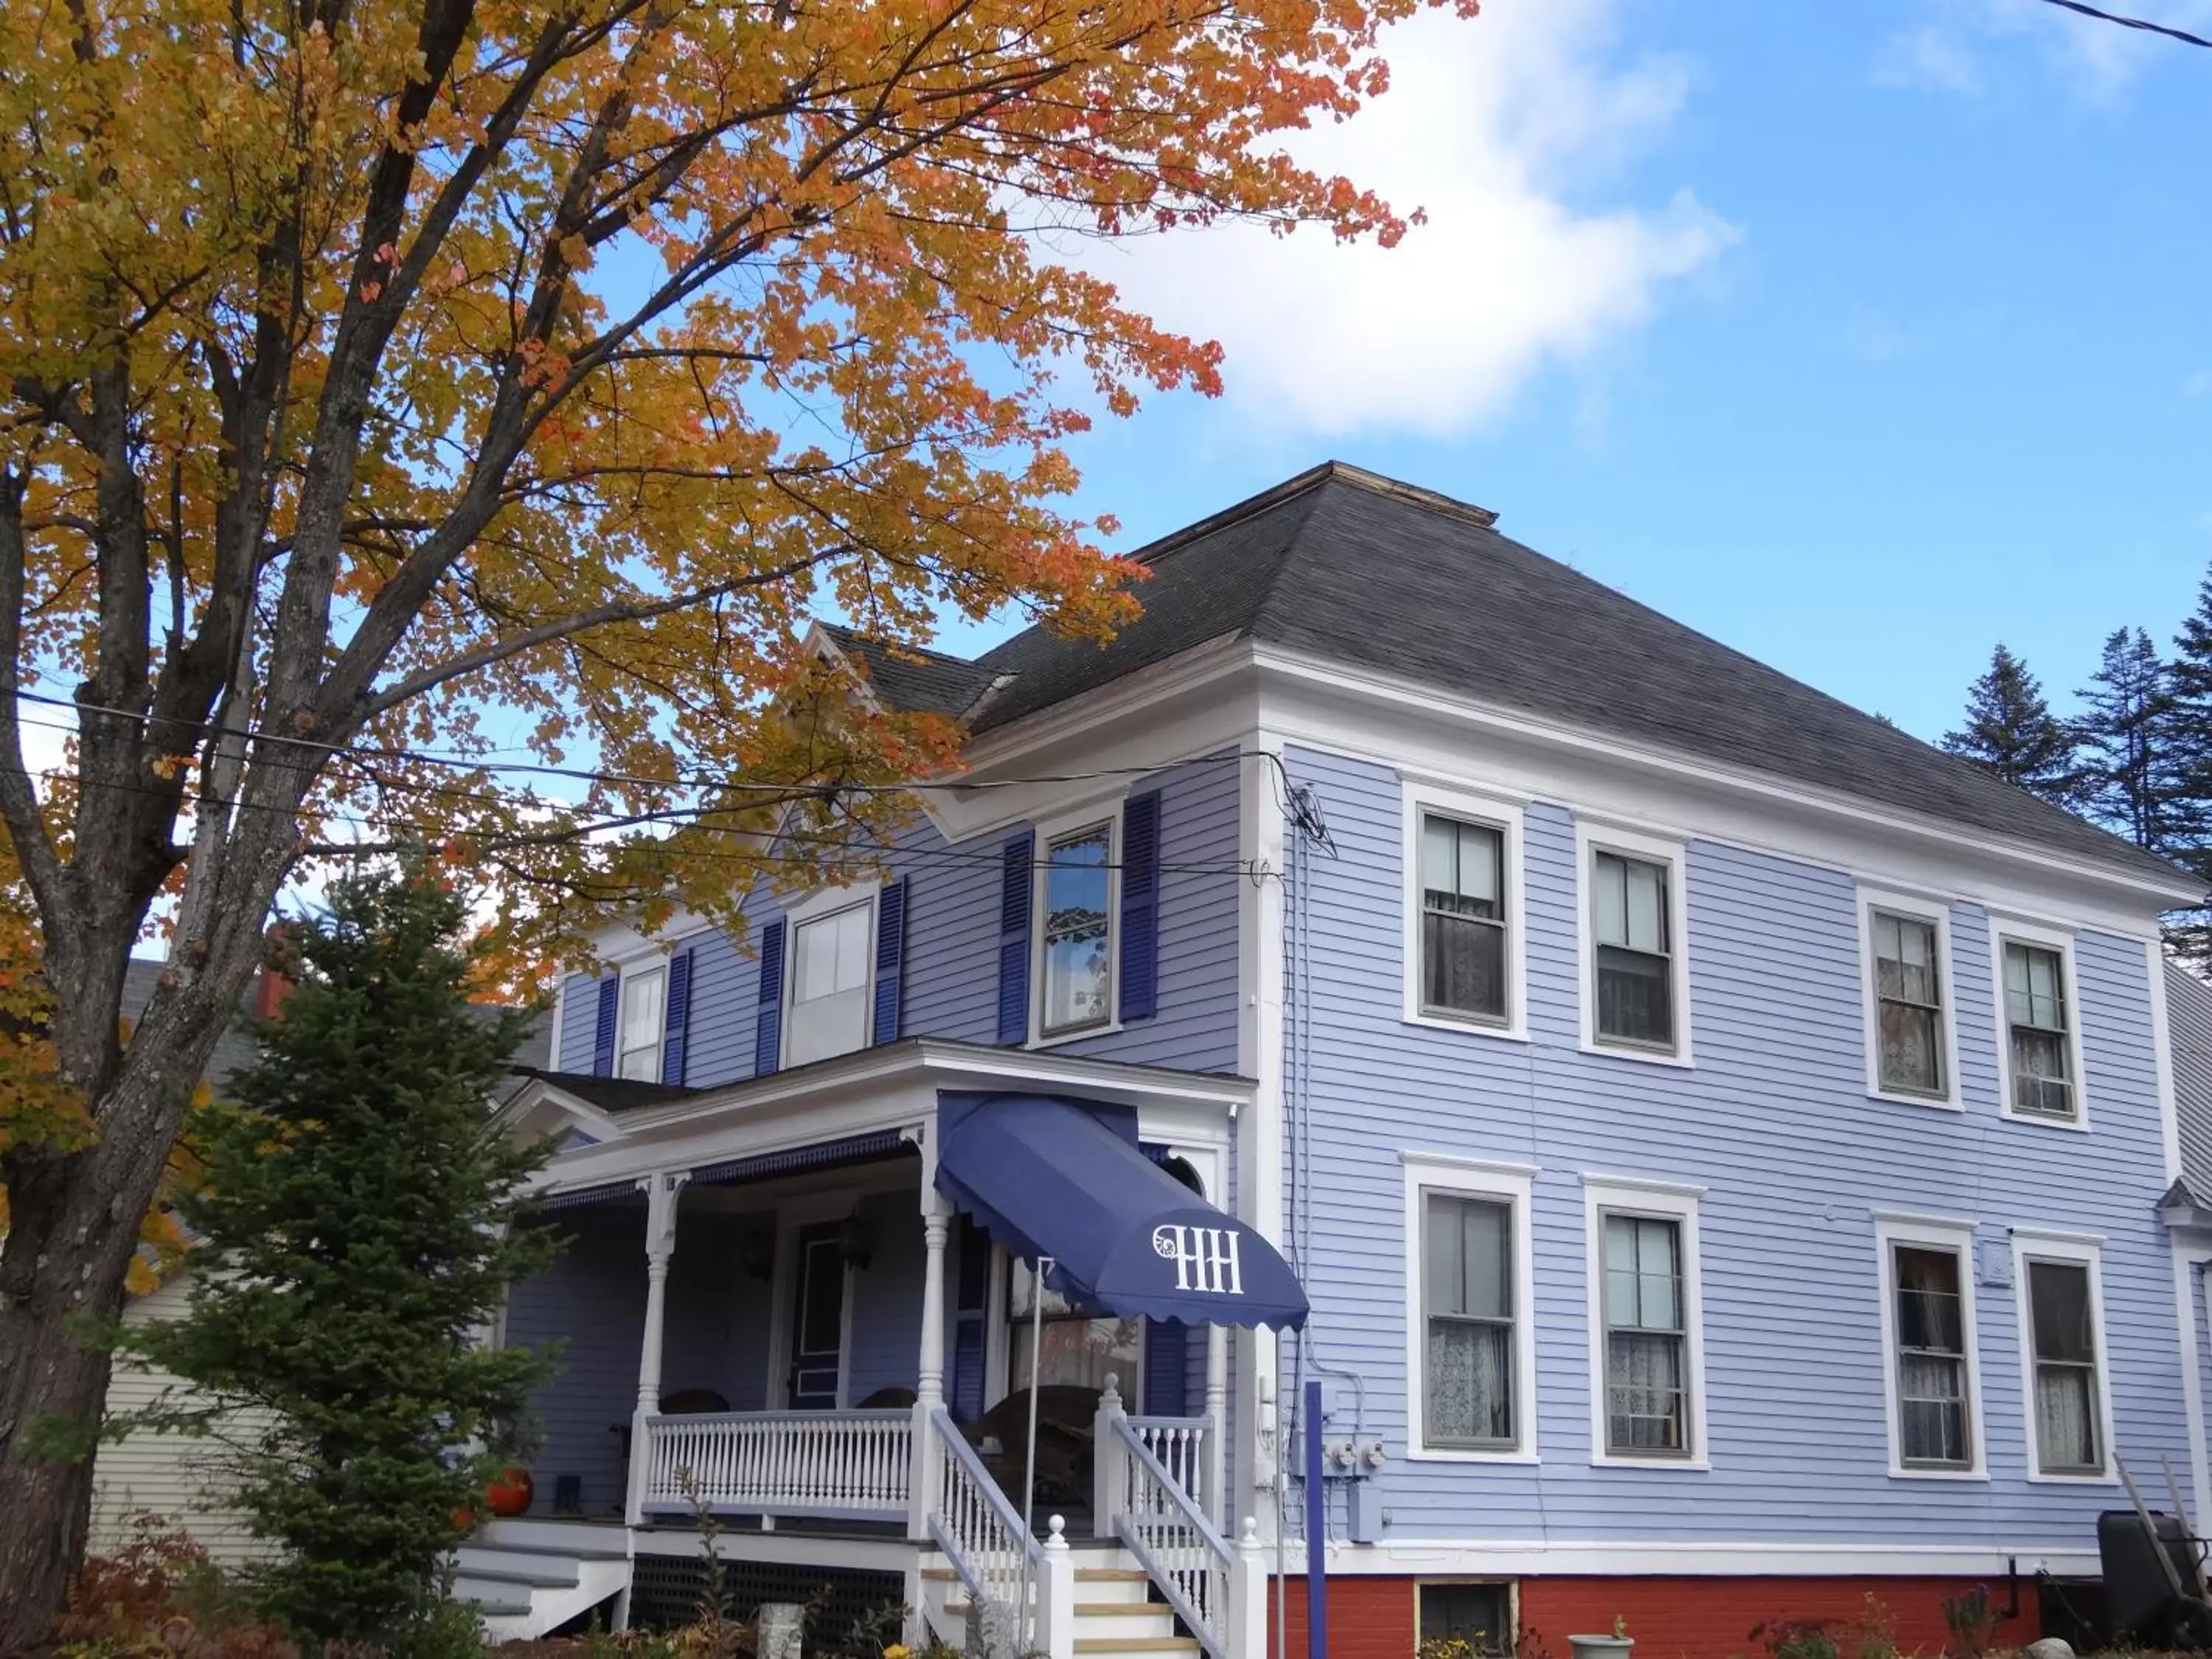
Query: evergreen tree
{"x": 2190, "y": 685}
{"x": 2132, "y": 764}
{"x": 2011, "y": 733}
{"x": 361, "y": 1225}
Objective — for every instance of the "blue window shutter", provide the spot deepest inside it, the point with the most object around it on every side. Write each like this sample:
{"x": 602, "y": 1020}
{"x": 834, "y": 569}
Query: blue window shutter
{"x": 603, "y": 1039}
{"x": 971, "y": 1298}
{"x": 890, "y": 958}
{"x": 768, "y": 1034}
{"x": 1140, "y": 906}
{"x": 675, "y": 1035}
{"x": 1014, "y": 939}
{"x": 1167, "y": 1370}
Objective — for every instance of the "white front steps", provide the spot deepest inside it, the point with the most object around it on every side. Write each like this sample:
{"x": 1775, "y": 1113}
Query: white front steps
{"x": 1115, "y": 1616}
{"x": 527, "y": 1579}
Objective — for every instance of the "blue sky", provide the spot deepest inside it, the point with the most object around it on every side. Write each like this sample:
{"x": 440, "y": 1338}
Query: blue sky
{"x": 1857, "y": 336}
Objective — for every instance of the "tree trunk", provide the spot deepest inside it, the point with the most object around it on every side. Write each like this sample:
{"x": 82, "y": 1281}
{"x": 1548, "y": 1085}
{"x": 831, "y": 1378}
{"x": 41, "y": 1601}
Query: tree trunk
{"x": 73, "y": 1229}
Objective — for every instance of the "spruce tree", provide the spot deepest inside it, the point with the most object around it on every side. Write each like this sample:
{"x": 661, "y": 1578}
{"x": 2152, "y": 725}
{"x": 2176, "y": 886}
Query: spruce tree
{"x": 359, "y": 1227}
{"x": 2189, "y": 686}
{"x": 2011, "y": 732}
{"x": 2132, "y": 762}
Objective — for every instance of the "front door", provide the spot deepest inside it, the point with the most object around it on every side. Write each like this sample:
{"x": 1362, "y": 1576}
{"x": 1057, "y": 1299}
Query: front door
{"x": 818, "y": 1319}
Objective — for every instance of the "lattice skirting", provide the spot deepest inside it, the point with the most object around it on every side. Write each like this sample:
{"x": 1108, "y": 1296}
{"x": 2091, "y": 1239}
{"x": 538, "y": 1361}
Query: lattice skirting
{"x": 665, "y": 1591}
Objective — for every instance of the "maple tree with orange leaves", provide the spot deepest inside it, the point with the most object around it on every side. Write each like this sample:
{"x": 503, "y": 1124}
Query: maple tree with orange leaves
{"x": 467, "y": 373}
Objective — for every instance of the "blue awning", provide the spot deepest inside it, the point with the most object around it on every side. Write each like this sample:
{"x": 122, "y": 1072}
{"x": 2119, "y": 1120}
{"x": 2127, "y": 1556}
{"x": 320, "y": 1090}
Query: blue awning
{"x": 1051, "y": 1177}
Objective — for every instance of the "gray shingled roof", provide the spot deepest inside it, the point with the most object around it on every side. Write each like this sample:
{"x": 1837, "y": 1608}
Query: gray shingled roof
{"x": 911, "y": 678}
{"x": 608, "y": 1094}
{"x": 2189, "y": 1029}
{"x": 1347, "y": 566}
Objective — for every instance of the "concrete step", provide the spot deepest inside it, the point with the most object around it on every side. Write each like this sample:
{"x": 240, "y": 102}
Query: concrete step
{"x": 1126, "y": 1585}
{"x": 1137, "y": 1645}
{"x": 518, "y": 1566}
{"x": 492, "y": 1599}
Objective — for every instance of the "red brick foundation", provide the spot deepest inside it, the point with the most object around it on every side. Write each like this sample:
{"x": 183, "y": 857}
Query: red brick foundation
{"x": 1374, "y": 1618}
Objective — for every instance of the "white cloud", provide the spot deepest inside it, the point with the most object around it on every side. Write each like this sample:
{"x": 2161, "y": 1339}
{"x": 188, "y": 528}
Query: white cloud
{"x": 1960, "y": 48}
{"x": 1487, "y": 126}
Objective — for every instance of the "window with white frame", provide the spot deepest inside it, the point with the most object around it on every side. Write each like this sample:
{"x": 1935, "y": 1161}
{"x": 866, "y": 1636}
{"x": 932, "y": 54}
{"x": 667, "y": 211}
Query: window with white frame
{"x": 1647, "y": 1346}
{"x": 1636, "y": 986}
{"x": 1077, "y": 931}
{"x": 2062, "y": 1320}
{"x": 1910, "y": 1050}
{"x": 2040, "y": 1026}
{"x": 1928, "y": 1326}
{"x": 643, "y": 1023}
{"x": 1469, "y": 1277}
{"x": 1463, "y": 928}
{"x": 831, "y": 957}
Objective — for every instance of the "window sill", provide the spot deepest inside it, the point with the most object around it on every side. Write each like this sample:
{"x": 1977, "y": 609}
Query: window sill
{"x": 1469, "y": 1028}
{"x": 1926, "y": 1102}
{"x": 2073, "y": 1480}
{"x": 1687, "y": 1465}
{"x": 1680, "y": 1062}
{"x": 1066, "y": 1037}
{"x": 1897, "y": 1473}
{"x": 2077, "y": 1124}
{"x": 1469, "y": 1454}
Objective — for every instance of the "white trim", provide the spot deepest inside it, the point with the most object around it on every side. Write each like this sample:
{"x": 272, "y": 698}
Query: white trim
{"x": 2004, "y": 929}
{"x": 1958, "y": 1238}
{"x": 2161, "y": 1051}
{"x": 1453, "y": 1178}
{"x": 1592, "y": 837}
{"x": 2188, "y": 1265}
{"x": 1937, "y": 915}
{"x": 1634, "y": 1183}
{"x": 1503, "y": 1166}
{"x": 1385, "y": 701}
{"x": 1604, "y": 1195}
{"x": 819, "y": 906}
{"x": 1418, "y": 796}
{"x": 2028, "y": 1245}
{"x": 2058, "y": 1235}
{"x": 1651, "y": 1557}
{"x": 1096, "y": 810}
{"x": 560, "y": 1020}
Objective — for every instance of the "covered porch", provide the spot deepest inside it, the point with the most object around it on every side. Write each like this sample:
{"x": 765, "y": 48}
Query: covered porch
{"x": 800, "y": 1305}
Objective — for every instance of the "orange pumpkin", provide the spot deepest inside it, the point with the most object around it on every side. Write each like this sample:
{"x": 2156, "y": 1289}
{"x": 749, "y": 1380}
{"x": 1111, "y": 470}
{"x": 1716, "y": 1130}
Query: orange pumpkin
{"x": 510, "y": 1494}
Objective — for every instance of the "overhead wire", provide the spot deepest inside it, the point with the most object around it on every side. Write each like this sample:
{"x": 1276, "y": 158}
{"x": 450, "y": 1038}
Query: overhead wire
{"x": 2143, "y": 23}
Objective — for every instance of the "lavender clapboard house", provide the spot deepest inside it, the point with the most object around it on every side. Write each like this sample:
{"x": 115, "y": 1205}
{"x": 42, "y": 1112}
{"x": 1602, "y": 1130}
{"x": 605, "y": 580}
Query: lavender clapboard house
{"x": 1718, "y": 1138}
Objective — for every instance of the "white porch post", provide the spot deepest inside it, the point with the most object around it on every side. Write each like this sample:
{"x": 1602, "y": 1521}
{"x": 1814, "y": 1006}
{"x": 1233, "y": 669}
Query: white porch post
{"x": 929, "y": 1367}
{"x": 1110, "y": 1469}
{"x": 1248, "y": 1595}
{"x": 1217, "y": 1424}
{"x": 1055, "y": 1596}
{"x": 661, "y": 1191}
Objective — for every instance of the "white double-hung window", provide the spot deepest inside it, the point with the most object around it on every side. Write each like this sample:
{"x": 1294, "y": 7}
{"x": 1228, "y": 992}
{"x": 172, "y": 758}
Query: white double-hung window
{"x": 1636, "y": 982}
{"x": 1471, "y": 1352}
{"x": 1905, "y": 945}
{"x": 1464, "y": 962}
{"x": 1647, "y": 1342}
{"x": 2062, "y": 1323}
{"x": 832, "y": 960}
{"x": 2039, "y": 1024}
{"x": 1934, "y": 1377}
{"x": 643, "y": 1023}
{"x": 1075, "y": 931}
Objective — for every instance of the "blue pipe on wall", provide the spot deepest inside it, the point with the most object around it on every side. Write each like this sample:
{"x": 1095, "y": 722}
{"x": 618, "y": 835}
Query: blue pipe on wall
{"x": 1317, "y": 1531}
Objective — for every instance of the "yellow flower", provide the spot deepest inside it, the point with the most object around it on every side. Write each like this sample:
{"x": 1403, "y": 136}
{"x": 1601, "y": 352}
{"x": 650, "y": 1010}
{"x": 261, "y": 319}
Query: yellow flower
{"x": 898, "y": 1650}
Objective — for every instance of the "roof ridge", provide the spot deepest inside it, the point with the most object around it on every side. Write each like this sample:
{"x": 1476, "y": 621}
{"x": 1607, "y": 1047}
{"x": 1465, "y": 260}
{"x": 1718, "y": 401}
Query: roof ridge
{"x": 841, "y": 633}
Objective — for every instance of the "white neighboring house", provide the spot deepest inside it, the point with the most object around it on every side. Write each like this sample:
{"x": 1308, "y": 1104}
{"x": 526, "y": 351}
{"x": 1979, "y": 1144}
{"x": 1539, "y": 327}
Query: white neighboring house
{"x": 177, "y": 1477}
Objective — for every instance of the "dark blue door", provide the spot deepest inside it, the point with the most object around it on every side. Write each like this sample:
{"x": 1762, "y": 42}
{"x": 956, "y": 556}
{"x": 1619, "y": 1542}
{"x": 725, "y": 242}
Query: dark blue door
{"x": 818, "y": 1318}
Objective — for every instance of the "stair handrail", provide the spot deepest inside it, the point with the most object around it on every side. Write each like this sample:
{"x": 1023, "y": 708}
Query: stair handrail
{"x": 1161, "y": 1525}
{"x": 981, "y": 1533}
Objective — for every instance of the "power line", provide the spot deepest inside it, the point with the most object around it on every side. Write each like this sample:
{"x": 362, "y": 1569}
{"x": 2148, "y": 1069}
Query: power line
{"x": 584, "y": 775}
{"x": 2144, "y": 24}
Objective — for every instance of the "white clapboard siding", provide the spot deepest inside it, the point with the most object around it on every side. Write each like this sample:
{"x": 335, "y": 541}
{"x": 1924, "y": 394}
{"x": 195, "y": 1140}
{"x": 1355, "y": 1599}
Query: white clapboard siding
{"x": 167, "y": 1475}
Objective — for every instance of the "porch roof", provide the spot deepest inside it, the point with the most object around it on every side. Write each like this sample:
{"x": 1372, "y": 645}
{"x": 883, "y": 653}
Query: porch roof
{"x": 893, "y": 1087}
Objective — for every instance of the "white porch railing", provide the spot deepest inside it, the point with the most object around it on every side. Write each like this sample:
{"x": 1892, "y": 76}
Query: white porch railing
{"x": 1180, "y": 1444}
{"x": 983, "y": 1538}
{"x": 1155, "y": 1515}
{"x": 845, "y": 1466}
